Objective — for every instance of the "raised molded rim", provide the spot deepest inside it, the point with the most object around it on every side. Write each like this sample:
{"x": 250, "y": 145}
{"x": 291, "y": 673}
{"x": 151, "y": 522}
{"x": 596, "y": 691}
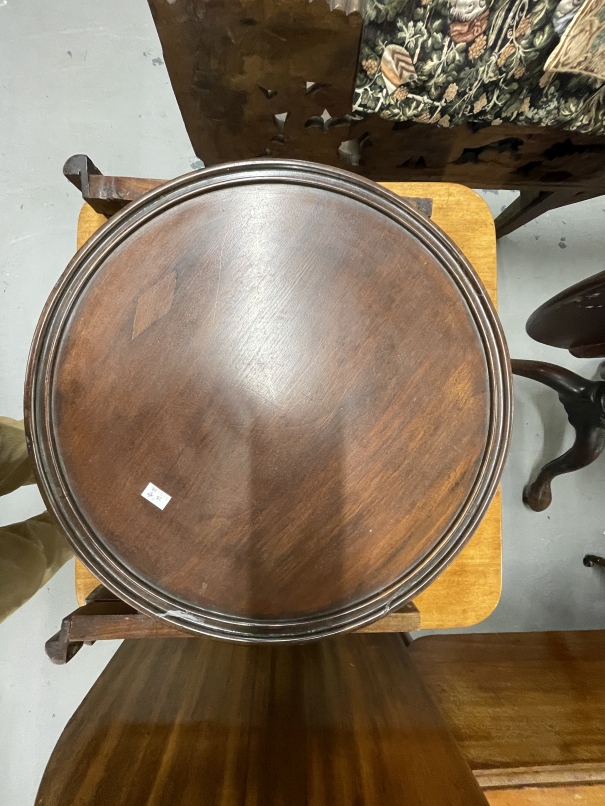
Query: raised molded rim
{"x": 39, "y": 387}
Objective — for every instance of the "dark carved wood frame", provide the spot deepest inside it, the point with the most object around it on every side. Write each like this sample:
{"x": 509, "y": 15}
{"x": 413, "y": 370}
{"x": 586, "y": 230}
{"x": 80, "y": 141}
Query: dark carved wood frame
{"x": 39, "y": 389}
{"x": 236, "y": 66}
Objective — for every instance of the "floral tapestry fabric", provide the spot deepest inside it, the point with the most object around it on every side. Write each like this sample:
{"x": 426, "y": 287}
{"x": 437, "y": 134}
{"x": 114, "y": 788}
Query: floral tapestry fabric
{"x": 457, "y": 61}
{"x": 582, "y": 46}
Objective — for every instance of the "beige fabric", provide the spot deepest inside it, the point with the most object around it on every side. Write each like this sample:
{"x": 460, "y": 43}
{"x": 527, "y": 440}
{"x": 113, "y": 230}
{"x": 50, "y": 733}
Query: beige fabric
{"x": 15, "y": 465}
{"x": 30, "y": 551}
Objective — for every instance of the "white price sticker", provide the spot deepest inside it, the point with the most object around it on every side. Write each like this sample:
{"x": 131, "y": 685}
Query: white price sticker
{"x": 157, "y": 497}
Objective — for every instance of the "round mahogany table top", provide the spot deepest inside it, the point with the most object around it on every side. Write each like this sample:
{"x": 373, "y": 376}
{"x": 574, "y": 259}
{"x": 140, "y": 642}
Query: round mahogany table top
{"x": 573, "y": 319}
{"x": 268, "y": 401}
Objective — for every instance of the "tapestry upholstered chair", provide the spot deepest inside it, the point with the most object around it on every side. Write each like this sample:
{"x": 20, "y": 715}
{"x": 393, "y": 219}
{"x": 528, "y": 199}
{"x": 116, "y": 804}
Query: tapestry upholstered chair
{"x": 507, "y": 94}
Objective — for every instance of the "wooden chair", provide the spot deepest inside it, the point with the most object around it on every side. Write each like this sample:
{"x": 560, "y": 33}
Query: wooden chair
{"x": 276, "y": 77}
{"x": 572, "y": 320}
{"x": 526, "y": 709}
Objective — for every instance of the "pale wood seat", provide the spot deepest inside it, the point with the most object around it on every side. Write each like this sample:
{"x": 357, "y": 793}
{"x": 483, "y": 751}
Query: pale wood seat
{"x": 525, "y": 708}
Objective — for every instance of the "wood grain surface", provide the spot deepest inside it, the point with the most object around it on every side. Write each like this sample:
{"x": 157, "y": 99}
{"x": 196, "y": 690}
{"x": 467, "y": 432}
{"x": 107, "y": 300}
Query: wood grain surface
{"x": 343, "y": 721}
{"x": 524, "y": 701}
{"x": 543, "y": 775}
{"x": 469, "y": 588}
{"x": 325, "y": 402}
{"x": 548, "y": 796}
